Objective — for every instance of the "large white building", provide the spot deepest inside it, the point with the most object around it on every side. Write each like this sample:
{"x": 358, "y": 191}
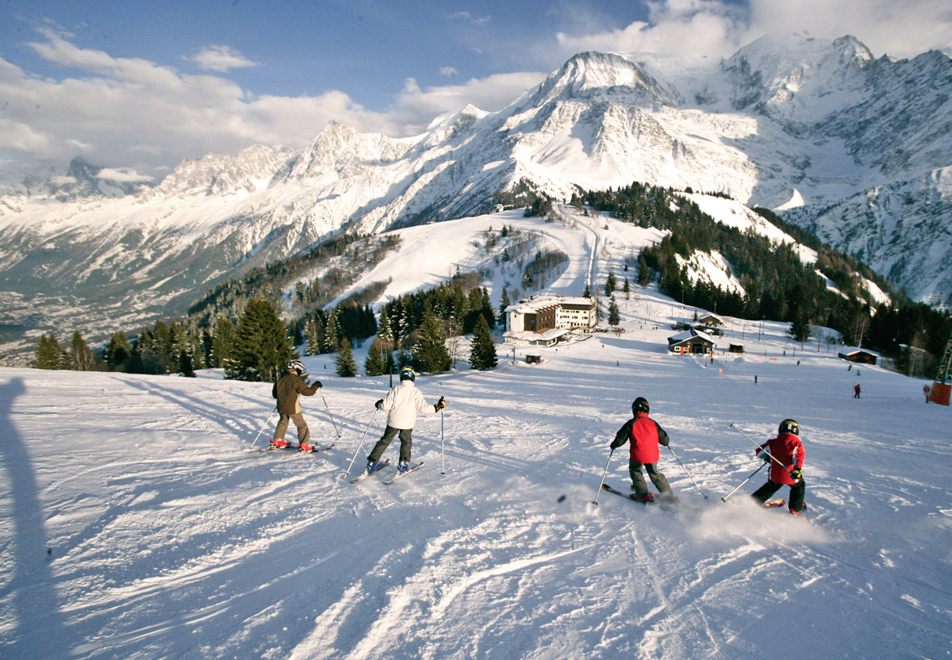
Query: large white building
{"x": 547, "y": 319}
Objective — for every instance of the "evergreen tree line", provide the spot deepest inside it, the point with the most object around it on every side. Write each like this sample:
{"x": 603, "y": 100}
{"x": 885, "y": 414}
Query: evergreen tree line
{"x": 778, "y": 285}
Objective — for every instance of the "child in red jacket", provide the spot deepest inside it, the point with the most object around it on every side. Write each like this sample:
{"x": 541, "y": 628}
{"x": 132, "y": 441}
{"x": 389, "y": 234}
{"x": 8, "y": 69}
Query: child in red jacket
{"x": 645, "y": 435}
{"x": 785, "y": 454}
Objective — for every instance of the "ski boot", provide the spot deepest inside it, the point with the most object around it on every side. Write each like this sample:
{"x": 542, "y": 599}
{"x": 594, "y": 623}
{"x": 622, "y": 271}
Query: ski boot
{"x": 371, "y": 466}
{"x": 645, "y": 499}
{"x": 305, "y": 447}
{"x": 403, "y": 467}
{"x": 278, "y": 444}
{"x": 797, "y": 513}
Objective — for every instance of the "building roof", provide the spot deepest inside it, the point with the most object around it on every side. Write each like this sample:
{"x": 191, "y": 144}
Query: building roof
{"x": 687, "y": 335}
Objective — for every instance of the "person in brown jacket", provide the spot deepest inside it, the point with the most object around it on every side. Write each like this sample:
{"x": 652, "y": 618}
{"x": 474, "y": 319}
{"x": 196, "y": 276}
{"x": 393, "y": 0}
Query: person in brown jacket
{"x": 288, "y": 391}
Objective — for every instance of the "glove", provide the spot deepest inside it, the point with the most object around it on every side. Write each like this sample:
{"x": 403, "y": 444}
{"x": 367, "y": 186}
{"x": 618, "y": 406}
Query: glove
{"x": 765, "y": 457}
{"x": 316, "y": 384}
{"x": 378, "y": 404}
{"x": 439, "y": 405}
{"x": 796, "y": 474}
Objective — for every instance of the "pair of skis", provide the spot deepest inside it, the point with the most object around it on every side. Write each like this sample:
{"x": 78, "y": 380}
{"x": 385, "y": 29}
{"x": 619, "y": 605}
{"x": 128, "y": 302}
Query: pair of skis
{"x": 293, "y": 448}
{"x": 392, "y": 478}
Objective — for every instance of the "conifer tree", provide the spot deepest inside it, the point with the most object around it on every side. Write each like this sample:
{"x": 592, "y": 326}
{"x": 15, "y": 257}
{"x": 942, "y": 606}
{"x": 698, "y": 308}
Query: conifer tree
{"x": 610, "y": 283}
{"x": 312, "y": 346}
{"x": 346, "y": 366}
{"x": 483, "y": 353}
{"x": 49, "y": 353}
{"x": 223, "y": 343}
{"x": 332, "y": 332}
{"x": 627, "y": 289}
{"x": 614, "y": 317}
{"x": 504, "y": 303}
{"x": 430, "y": 352}
{"x": 377, "y": 358}
{"x": 262, "y": 344}
{"x": 384, "y": 331}
{"x": 118, "y": 350}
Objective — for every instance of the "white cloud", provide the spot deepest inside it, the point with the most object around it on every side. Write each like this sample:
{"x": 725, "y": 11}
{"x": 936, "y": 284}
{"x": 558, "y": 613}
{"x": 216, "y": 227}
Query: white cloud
{"x": 714, "y": 28}
{"x": 448, "y": 71}
{"x": 220, "y": 59}
{"x": 469, "y": 18}
{"x": 122, "y": 175}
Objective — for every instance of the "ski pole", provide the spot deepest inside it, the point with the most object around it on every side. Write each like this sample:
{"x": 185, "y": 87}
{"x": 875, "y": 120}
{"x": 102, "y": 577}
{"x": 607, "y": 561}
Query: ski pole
{"x": 724, "y": 499}
{"x": 333, "y": 423}
{"x": 763, "y": 449}
{"x": 267, "y": 423}
{"x": 442, "y": 455}
{"x": 686, "y": 471}
{"x": 347, "y": 471}
{"x": 604, "y": 474}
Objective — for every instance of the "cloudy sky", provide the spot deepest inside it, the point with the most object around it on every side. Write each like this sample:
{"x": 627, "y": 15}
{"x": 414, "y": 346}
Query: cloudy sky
{"x": 139, "y": 86}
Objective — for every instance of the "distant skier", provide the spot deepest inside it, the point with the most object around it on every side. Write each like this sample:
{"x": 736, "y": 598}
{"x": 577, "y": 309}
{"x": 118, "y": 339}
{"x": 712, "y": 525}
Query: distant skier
{"x": 403, "y": 403}
{"x": 288, "y": 391}
{"x": 645, "y": 435}
{"x": 856, "y": 391}
{"x": 786, "y": 466}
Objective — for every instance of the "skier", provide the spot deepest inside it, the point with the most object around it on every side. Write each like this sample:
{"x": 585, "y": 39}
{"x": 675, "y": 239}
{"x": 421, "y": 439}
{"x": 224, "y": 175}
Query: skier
{"x": 288, "y": 391}
{"x": 645, "y": 435}
{"x": 787, "y": 469}
{"x": 856, "y": 391}
{"x": 403, "y": 403}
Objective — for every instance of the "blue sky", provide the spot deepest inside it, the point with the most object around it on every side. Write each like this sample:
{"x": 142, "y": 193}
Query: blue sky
{"x": 143, "y": 85}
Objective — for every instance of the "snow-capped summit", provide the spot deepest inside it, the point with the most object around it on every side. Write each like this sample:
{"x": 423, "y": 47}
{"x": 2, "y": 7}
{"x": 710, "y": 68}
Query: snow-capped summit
{"x": 813, "y": 127}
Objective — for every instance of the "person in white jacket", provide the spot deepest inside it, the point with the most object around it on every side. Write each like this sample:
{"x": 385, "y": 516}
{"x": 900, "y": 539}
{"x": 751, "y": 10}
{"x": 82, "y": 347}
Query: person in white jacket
{"x": 403, "y": 403}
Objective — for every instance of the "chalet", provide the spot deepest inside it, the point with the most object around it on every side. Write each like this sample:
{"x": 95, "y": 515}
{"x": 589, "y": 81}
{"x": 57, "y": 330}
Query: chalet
{"x": 690, "y": 341}
{"x": 546, "y": 320}
{"x": 711, "y": 321}
{"x": 860, "y": 356}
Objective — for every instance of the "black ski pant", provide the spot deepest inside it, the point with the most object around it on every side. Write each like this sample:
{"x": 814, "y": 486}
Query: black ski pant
{"x": 638, "y": 479}
{"x": 797, "y": 491}
{"x": 389, "y": 433}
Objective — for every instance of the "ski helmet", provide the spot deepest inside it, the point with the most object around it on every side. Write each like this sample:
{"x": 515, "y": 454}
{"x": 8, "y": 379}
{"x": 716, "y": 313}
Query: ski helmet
{"x": 640, "y": 405}
{"x": 407, "y": 374}
{"x": 789, "y": 426}
{"x": 296, "y": 365}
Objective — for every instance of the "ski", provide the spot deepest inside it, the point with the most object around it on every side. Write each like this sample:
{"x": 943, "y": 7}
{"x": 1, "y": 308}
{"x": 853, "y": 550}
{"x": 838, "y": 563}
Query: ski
{"x": 283, "y": 449}
{"x": 663, "y": 503}
{"x": 364, "y": 474}
{"x": 313, "y": 451}
{"x": 413, "y": 468}
{"x": 627, "y": 496}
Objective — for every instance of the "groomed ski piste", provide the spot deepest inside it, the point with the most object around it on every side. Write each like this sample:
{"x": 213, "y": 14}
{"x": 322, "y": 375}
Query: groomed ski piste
{"x": 136, "y": 526}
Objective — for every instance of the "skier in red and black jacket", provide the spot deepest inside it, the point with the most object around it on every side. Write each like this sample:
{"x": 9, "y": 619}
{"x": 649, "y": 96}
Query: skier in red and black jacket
{"x": 786, "y": 466}
{"x": 645, "y": 435}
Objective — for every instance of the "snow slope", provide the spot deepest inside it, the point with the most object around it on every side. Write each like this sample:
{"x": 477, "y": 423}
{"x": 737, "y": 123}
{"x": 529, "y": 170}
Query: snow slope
{"x": 134, "y": 526}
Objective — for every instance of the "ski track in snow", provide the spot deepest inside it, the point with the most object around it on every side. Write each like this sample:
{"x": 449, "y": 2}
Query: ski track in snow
{"x": 167, "y": 540}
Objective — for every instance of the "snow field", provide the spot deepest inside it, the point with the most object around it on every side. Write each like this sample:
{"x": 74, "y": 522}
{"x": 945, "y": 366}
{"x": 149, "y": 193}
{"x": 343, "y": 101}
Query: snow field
{"x": 167, "y": 540}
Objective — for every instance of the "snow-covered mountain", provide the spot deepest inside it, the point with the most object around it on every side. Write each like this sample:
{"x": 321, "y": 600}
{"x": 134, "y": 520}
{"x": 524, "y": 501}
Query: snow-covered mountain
{"x": 787, "y": 121}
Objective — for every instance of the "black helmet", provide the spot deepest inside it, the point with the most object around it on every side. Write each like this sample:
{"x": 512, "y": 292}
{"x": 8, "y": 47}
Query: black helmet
{"x": 640, "y": 405}
{"x": 789, "y": 426}
{"x": 407, "y": 374}
{"x": 296, "y": 365}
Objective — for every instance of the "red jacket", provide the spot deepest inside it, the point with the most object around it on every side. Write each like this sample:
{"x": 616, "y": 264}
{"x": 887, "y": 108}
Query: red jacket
{"x": 787, "y": 449}
{"x": 645, "y": 435}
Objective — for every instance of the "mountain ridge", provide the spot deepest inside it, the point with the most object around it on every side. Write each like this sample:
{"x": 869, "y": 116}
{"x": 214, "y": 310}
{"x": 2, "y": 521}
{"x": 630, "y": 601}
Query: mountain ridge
{"x": 785, "y": 119}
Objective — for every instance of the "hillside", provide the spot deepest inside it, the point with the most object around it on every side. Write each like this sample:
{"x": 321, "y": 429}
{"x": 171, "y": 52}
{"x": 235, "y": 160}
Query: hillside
{"x": 814, "y": 128}
{"x": 134, "y": 525}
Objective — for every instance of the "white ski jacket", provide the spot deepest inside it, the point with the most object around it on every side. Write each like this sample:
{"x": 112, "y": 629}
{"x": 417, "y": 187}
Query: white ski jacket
{"x": 403, "y": 403}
